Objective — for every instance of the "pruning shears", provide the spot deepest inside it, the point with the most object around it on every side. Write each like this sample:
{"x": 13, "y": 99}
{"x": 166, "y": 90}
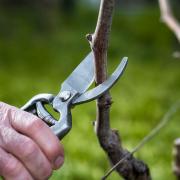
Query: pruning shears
{"x": 73, "y": 91}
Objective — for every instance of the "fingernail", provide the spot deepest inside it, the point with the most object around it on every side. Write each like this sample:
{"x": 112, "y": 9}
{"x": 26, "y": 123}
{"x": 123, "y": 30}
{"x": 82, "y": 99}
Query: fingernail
{"x": 59, "y": 161}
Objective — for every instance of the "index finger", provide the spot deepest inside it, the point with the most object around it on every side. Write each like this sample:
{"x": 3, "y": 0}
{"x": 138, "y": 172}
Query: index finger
{"x": 36, "y": 129}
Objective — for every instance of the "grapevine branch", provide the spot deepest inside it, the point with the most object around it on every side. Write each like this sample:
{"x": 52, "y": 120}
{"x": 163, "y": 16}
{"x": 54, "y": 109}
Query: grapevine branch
{"x": 176, "y": 153}
{"x": 168, "y": 18}
{"x": 163, "y": 122}
{"x": 131, "y": 168}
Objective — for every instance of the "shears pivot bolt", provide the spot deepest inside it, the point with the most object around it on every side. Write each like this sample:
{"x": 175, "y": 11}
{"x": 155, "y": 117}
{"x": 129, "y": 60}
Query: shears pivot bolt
{"x": 65, "y": 95}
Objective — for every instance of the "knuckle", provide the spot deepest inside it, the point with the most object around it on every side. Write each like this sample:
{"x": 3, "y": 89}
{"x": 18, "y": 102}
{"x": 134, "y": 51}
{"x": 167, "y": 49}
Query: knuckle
{"x": 12, "y": 167}
{"x": 28, "y": 149}
{"x": 35, "y": 125}
{"x": 1, "y": 105}
{"x": 6, "y": 136}
{"x": 4, "y": 111}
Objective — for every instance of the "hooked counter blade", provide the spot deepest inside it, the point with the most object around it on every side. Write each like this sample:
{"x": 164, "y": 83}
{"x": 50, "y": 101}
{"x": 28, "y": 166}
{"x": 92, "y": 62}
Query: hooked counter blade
{"x": 105, "y": 86}
{"x": 82, "y": 77}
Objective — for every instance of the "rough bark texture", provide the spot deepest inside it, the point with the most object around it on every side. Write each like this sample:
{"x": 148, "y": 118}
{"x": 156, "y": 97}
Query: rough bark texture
{"x": 131, "y": 168}
{"x": 176, "y": 163}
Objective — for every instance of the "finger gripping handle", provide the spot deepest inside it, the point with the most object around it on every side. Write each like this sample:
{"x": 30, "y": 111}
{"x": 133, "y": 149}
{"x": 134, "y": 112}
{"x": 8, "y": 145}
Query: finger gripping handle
{"x": 61, "y": 127}
{"x": 44, "y": 114}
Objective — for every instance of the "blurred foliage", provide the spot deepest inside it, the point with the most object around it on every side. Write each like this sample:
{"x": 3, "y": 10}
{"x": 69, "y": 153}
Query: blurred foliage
{"x": 37, "y": 54}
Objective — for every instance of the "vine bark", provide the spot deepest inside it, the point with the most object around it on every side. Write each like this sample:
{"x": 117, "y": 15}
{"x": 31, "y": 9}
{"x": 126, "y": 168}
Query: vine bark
{"x": 131, "y": 168}
{"x": 168, "y": 18}
{"x": 176, "y": 163}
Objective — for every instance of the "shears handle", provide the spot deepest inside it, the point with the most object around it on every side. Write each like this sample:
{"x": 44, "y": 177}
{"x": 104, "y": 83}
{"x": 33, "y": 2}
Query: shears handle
{"x": 59, "y": 127}
{"x": 36, "y": 106}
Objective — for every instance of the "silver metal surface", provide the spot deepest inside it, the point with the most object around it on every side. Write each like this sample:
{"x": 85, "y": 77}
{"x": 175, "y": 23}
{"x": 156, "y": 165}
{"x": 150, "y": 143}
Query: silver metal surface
{"x": 77, "y": 83}
{"x": 63, "y": 126}
{"x": 44, "y": 97}
{"x": 44, "y": 114}
{"x": 64, "y": 95}
{"x": 73, "y": 92}
{"x": 82, "y": 77}
{"x": 105, "y": 86}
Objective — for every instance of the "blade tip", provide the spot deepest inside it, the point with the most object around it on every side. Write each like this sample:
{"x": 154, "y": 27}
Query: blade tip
{"x": 125, "y": 60}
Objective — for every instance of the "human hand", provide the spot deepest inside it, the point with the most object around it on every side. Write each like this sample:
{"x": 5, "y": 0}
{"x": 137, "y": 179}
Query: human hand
{"x": 28, "y": 148}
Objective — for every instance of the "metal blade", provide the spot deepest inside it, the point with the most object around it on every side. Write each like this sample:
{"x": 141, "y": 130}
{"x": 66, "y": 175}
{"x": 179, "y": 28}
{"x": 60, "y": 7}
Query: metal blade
{"x": 105, "y": 86}
{"x": 82, "y": 77}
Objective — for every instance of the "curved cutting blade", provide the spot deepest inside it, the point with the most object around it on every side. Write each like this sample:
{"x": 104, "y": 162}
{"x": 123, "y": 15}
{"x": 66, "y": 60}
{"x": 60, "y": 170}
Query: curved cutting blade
{"x": 105, "y": 86}
{"x": 82, "y": 77}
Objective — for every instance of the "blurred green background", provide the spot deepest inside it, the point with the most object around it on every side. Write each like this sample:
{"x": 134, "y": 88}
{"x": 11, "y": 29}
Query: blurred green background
{"x": 42, "y": 42}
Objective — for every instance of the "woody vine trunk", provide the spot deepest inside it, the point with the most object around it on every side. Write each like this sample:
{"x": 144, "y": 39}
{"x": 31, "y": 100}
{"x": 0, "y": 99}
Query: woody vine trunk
{"x": 131, "y": 168}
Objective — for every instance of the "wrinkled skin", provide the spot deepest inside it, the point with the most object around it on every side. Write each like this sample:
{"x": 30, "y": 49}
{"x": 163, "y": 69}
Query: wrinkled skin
{"x": 28, "y": 148}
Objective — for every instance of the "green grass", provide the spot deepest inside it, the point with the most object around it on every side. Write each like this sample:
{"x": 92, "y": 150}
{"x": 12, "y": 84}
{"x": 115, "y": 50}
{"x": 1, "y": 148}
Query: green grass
{"x": 36, "y": 58}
